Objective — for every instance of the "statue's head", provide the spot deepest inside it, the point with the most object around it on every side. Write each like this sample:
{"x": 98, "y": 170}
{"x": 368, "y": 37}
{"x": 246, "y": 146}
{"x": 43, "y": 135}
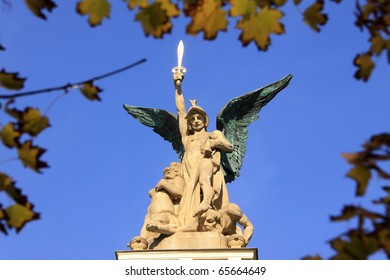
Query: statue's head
{"x": 197, "y": 118}
{"x": 210, "y": 221}
{"x": 172, "y": 171}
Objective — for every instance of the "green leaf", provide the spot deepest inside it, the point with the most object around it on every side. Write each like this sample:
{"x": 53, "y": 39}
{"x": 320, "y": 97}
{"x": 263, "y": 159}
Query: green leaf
{"x": 132, "y": 4}
{"x": 207, "y": 17}
{"x": 37, "y": 7}
{"x": 313, "y": 16}
{"x": 154, "y": 20}
{"x": 19, "y": 215}
{"x": 9, "y": 135}
{"x": 33, "y": 122}
{"x": 361, "y": 174}
{"x": 365, "y": 66}
{"x": 10, "y": 80}
{"x": 30, "y": 156}
{"x": 96, "y": 9}
{"x": 90, "y": 91}
{"x": 259, "y": 27}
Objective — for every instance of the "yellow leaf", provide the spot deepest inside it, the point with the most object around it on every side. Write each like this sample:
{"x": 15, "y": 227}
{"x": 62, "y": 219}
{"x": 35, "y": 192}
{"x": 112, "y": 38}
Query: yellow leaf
{"x": 132, "y": 4}
{"x": 19, "y": 215}
{"x": 155, "y": 20}
{"x": 243, "y": 8}
{"x": 36, "y": 7}
{"x": 313, "y": 16}
{"x": 9, "y": 135}
{"x": 365, "y": 66}
{"x": 30, "y": 156}
{"x": 361, "y": 174}
{"x": 259, "y": 27}
{"x": 96, "y": 9}
{"x": 8, "y": 186}
{"x": 11, "y": 80}
{"x": 208, "y": 17}
{"x": 90, "y": 91}
{"x": 170, "y": 8}
{"x": 33, "y": 122}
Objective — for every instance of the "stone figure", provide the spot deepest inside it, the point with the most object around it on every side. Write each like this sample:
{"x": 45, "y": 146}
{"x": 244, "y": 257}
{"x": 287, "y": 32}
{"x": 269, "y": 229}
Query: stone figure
{"x": 209, "y": 160}
{"x": 161, "y": 216}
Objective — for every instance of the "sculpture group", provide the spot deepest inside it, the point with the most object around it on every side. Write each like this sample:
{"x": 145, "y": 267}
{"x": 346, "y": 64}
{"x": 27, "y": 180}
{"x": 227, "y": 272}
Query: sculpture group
{"x": 192, "y": 196}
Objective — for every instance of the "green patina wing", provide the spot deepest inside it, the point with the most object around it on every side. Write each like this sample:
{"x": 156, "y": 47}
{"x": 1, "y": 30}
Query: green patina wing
{"x": 163, "y": 123}
{"x": 234, "y": 118}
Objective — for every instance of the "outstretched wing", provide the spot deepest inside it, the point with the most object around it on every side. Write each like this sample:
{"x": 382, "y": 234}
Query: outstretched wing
{"x": 163, "y": 123}
{"x": 234, "y": 118}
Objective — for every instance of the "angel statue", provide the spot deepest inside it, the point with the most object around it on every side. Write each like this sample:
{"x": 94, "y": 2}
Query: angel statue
{"x": 209, "y": 160}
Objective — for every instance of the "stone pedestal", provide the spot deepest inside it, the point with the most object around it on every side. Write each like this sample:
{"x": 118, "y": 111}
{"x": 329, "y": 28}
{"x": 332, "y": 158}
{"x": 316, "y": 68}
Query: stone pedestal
{"x": 190, "y": 254}
{"x": 192, "y": 240}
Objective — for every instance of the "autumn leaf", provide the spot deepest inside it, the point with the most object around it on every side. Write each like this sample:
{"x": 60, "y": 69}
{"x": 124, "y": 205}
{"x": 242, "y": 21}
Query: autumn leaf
{"x": 13, "y": 112}
{"x": 361, "y": 174}
{"x": 357, "y": 247}
{"x": 384, "y": 240}
{"x": 259, "y": 27}
{"x": 312, "y": 258}
{"x": 11, "y": 80}
{"x": 2, "y": 48}
{"x": 8, "y": 185}
{"x": 244, "y": 8}
{"x": 96, "y": 9}
{"x": 37, "y": 6}
{"x": 313, "y": 16}
{"x": 348, "y": 212}
{"x": 365, "y": 66}
{"x": 297, "y": 2}
{"x": 90, "y": 91}
{"x": 9, "y": 135}
{"x": 154, "y": 20}
{"x": 19, "y": 215}
{"x": 30, "y": 156}
{"x": 170, "y": 8}
{"x": 3, "y": 216}
{"x": 354, "y": 158}
{"x": 279, "y": 2}
{"x": 33, "y": 122}
{"x": 132, "y": 4}
{"x": 377, "y": 44}
{"x": 207, "y": 17}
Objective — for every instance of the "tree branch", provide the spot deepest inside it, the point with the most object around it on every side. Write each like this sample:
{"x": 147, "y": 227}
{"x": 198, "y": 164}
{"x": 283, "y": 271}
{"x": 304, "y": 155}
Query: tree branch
{"x": 68, "y": 87}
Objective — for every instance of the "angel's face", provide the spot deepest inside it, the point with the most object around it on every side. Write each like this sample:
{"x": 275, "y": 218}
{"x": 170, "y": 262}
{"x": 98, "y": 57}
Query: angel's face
{"x": 197, "y": 122}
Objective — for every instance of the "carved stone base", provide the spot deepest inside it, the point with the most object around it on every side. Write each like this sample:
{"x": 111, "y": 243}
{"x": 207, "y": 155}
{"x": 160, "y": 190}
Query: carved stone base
{"x": 191, "y": 240}
{"x": 190, "y": 254}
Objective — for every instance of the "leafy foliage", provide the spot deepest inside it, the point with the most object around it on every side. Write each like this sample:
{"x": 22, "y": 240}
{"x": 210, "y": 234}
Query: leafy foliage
{"x": 96, "y": 9}
{"x": 18, "y": 214}
{"x": 37, "y": 7}
{"x": 372, "y": 233}
{"x": 10, "y": 80}
{"x": 257, "y": 20}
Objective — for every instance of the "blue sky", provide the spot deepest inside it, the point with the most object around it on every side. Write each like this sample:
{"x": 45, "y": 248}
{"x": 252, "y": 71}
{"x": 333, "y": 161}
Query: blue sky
{"x": 93, "y": 199}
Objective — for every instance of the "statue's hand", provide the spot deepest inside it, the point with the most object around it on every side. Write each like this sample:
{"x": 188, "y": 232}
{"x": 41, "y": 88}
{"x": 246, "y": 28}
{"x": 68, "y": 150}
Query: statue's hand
{"x": 178, "y": 78}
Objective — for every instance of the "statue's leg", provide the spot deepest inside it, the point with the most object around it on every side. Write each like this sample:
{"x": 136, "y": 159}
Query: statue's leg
{"x": 205, "y": 181}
